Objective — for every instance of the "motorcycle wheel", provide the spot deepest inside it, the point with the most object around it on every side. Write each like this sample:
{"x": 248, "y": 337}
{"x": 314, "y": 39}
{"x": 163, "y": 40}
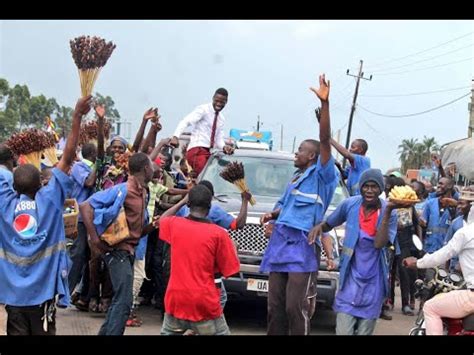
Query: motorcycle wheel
{"x": 417, "y": 331}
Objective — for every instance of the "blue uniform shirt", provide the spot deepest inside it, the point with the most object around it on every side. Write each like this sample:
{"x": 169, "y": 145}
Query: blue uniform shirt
{"x": 33, "y": 260}
{"x": 437, "y": 225}
{"x": 361, "y": 164}
{"x": 216, "y": 215}
{"x": 79, "y": 173}
{"x": 303, "y": 205}
{"x": 6, "y": 175}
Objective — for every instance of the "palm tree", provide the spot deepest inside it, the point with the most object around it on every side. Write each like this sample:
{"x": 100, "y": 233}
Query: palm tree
{"x": 431, "y": 146}
{"x": 407, "y": 153}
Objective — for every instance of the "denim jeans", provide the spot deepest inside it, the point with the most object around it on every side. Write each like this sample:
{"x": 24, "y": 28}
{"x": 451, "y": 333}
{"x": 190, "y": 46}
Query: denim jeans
{"x": 175, "y": 326}
{"x": 120, "y": 265}
{"x": 79, "y": 254}
{"x": 223, "y": 299}
{"x": 350, "y": 325}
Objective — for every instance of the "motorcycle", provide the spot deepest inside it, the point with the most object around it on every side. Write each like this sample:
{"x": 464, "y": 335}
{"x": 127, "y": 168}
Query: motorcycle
{"x": 436, "y": 282}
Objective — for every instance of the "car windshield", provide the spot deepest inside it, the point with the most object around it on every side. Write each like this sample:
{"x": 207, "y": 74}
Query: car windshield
{"x": 264, "y": 176}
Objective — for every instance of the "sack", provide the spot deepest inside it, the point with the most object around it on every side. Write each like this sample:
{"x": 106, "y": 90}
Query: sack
{"x": 117, "y": 231}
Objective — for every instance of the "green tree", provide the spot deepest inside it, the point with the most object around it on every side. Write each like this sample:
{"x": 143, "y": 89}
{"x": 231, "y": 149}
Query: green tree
{"x": 17, "y": 107}
{"x": 431, "y": 146}
{"x": 40, "y": 108}
{"x": 63, "y": 119}
{"x": 407, "y": 152}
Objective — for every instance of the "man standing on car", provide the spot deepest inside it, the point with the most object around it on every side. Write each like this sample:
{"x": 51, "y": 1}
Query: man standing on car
{"x": 291, "y": 261}
{"x": 207, "y": 122}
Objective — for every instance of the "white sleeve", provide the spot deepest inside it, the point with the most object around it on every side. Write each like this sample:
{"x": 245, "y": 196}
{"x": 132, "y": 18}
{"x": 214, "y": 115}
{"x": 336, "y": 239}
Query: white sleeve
{"x": 442, "y": 255}
{"x": 192, "y": 118}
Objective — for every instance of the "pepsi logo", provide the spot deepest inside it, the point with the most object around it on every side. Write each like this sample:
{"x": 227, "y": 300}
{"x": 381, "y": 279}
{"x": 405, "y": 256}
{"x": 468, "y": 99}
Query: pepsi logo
{"x": 25, "y": 225}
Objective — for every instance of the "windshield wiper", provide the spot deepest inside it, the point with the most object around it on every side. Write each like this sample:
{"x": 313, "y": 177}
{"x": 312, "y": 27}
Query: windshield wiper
{"x": 218, "y": 198}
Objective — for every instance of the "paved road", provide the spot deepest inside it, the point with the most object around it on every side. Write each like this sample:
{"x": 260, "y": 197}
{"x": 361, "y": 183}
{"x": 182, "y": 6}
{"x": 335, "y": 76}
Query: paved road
{"x": 244, "y": 318}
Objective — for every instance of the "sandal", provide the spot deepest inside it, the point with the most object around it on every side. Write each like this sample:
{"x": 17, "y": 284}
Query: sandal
{"x": 94, "y": 305}
{"x": 82, "y": 305}
{"x": 104, "y": 305}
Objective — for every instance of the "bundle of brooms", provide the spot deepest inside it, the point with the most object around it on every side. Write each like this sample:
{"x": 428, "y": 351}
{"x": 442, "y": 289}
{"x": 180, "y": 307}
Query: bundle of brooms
{"x": 90, "y": 55}
{"x": 50, "y": 147}
{"x": 235, "y": 174}
{"x": 90, "y": 131}
{"x": 30, "y": 143}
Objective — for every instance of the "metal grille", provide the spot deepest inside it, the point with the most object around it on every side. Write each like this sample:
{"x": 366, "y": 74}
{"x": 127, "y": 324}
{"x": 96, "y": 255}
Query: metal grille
{"x": 252, "y": 241}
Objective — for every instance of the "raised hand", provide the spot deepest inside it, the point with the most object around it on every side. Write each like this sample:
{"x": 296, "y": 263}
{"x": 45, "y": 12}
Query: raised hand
{"x": 323, "y": 92}
{"x": 83, "y": 105}
{"x": 151, "y": 114}
{"x": 100, "y": 111}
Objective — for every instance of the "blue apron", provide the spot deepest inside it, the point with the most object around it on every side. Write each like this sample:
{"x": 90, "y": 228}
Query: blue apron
{"x": 362, "y": 294}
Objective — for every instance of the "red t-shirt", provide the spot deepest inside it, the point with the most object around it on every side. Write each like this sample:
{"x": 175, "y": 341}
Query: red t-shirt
{"x": 368, "y": 224}
{"x": 198, "y": 250}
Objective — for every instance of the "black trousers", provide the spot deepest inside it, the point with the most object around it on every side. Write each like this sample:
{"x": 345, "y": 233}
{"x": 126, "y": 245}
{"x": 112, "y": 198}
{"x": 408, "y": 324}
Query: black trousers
{"x": 28, "y": 320}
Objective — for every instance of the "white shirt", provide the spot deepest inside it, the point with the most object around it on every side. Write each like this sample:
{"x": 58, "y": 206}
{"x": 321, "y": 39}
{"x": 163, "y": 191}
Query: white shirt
{"x": 202, "y": 119}
{"x": 462, "y": 244}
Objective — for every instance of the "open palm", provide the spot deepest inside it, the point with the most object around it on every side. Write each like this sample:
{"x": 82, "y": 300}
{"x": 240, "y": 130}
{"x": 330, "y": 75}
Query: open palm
{"x": 323, "y": 92}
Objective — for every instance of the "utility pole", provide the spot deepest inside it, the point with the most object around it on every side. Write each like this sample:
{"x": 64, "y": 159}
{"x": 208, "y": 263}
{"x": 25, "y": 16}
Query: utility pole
{"x": 470, "y": 108}
{"x": 354, "y": 100}
{"x": 281, "y": 138}
{"x": 294, "y": 143}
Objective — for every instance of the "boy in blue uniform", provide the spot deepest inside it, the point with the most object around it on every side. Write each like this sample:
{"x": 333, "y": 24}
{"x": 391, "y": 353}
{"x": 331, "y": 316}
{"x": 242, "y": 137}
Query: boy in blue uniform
{"x": 363, "y": 272}
{"x": 291, "y": 261}
{"x": 33, "y": 262}
{"x": 358, "y": 163}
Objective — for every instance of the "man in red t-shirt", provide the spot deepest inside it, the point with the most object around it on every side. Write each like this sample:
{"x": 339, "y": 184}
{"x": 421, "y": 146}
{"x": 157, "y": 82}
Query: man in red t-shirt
{"x": 199, "y": 249}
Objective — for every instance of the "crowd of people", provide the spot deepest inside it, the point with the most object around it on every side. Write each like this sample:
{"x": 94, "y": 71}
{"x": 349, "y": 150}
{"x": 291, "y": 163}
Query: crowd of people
{"x": 148, "y": 233}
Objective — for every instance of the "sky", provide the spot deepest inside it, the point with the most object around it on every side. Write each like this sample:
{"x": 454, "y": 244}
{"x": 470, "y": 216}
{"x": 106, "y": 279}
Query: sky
{"x": 267, "y": 66}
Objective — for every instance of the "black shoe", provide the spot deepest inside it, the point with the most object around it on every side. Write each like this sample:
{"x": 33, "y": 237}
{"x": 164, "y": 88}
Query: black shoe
{"x": 385, "y": 315}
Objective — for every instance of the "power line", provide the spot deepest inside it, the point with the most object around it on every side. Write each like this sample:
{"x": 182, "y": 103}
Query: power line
{"x": 419, "y": 93}
{"x": 423, "y": 60}
{"x": 414, "y": 114}
{"x": 427, "y": 68}
{"x": 423, "y": 51}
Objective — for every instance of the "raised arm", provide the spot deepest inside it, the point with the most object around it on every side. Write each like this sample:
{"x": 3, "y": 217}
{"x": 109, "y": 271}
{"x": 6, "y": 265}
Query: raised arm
{"x": 149, "y": 114}
{"x": 343, "y": 151}
{"x": 150, "y": 139}
{"x": 83, "y": 106}
{"x": 157, "y": 149}
{"x": 100, "y": 112}
{"x": 383, "y": 232}
{"x": 324, "y": 124}
{"x": 242, "y": 217}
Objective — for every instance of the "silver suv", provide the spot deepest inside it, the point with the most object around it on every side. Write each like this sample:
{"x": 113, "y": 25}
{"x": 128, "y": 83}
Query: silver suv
{"x": 267, "y": 174}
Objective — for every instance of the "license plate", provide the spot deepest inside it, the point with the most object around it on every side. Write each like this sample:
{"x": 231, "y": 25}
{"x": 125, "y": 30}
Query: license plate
{"x": 257, "y": 285}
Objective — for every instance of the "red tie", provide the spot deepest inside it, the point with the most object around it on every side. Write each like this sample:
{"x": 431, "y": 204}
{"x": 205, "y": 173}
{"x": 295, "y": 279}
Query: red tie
{"x": 213, "y": 132}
